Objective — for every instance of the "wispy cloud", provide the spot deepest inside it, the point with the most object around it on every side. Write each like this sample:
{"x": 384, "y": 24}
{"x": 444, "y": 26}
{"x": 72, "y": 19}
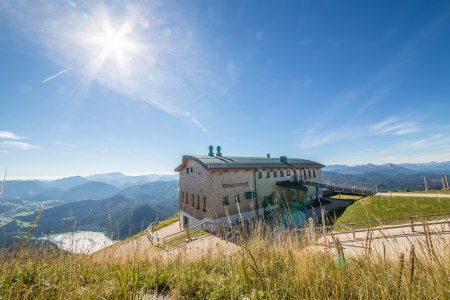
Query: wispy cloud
{"x": 426, "y": 142}
{"x": 10, "y": 142}
{"x": 14, "y": 145}
{"x": 312, "y": 140}
{"x": 433, "y": 142}
{"x": 395, "y": 126}
{"x": 10, "y": 135}
{"x": 353, "y": 102}
{"x": 145, "y": 52}
{"x": 391, "y": 126}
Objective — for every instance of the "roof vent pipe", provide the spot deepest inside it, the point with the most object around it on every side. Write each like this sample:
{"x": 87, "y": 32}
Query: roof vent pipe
{"x": 218, "y": 151}
{"x": 268, "y": 155}
{"x": 211, "y": 151}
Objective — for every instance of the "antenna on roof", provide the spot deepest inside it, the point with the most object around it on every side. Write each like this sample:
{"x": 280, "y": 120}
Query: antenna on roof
{"x": 3, "y": 182}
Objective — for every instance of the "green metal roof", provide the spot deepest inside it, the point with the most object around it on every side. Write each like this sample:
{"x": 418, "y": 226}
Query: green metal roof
{"x": 237, "y": 162}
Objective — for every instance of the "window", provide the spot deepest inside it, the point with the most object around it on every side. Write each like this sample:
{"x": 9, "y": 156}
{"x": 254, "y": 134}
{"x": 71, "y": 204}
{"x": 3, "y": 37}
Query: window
{"x": 281, "y": 173}
{"x": 237, "y": 198}
{"x": 259, "y": 174}
{"x": 304, "y": 174}
{"x": 187, "y": 170}
{"x": 182, "y": 197}
{"x": 198, "y": 202}
{"x": 309, "y": 173}
{"x": 274, "y": 173}
{"x": 186, "y": 199}
{"x": 225, "y": 201}
{"x": 249, "y": 195}
{"x": 268, "y": 174}
{"x": 288, "y": 173}
{"x": 192, "y": 169}
{"x": 192, "y": 200}
{"x": 204, "y": 204}
{"x": 314, "y": 173}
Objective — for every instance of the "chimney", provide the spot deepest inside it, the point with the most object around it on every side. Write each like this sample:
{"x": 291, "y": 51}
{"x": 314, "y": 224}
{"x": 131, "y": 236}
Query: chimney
{"x": 211, "y": 151}
{"x": 218, "y": 151}
{"x": 268, "y": 155}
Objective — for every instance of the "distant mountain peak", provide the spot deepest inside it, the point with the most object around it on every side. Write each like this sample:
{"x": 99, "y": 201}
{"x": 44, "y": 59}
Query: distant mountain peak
{"x": 391, "y": 168}
{"x": 389, "y": 165}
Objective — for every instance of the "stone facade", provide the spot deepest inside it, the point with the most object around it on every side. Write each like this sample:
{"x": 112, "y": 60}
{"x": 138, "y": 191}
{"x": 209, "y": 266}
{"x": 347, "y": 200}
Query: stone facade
{"x": 231, "y": 195}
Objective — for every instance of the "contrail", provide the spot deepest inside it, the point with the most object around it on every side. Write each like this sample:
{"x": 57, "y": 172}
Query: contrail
{"x": 57, "y": 74}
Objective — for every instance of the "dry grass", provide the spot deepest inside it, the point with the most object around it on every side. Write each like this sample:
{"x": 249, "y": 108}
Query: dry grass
{"x": 273, "y": 264}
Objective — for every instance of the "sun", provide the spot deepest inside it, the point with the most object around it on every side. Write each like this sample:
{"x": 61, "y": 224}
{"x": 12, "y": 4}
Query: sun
{"x": 113, "y": 48}
{"x": 114, "y": 43}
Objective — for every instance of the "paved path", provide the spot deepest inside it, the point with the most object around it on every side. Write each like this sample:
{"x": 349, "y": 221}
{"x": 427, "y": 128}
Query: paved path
{"x": 414, "y": 195}
{"x": 140, "y": 248}
{"x": 392, "y": 242}
{"x": 168, "y": 230}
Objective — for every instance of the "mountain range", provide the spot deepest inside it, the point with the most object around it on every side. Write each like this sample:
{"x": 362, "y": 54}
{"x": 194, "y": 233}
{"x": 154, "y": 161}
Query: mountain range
{"x": 74, "y": 188}
{"x": 392, "y": 169}
{"x": 115, "y": 204}
{"x": 122, "y": 205}
{"x": 388, "y": 177}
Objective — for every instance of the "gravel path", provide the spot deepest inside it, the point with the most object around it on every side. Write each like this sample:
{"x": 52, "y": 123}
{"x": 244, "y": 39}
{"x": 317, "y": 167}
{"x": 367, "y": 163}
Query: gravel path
{"x": 392, "y": 242}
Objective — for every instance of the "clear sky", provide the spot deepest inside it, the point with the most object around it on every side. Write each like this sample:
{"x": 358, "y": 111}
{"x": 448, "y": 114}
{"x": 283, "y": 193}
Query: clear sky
{"x": 131, "y": 86}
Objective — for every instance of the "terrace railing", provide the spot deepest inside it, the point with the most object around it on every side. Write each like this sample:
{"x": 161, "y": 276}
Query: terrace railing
{"x": 233, "y": 233}
{"x": 176, "y": 238}
{"x": 388, "y": 223}
{"x": 229, "y": 233}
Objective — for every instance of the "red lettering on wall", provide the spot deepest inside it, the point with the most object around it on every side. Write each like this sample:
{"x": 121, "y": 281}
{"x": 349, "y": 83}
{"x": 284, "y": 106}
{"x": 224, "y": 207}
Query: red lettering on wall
{"x": 231, "y": 185}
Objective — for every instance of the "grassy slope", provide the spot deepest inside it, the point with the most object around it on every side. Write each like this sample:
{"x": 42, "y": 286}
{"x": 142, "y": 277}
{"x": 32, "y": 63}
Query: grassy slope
{"x": 375, "y": 208}
{"x": 262, "y": 270}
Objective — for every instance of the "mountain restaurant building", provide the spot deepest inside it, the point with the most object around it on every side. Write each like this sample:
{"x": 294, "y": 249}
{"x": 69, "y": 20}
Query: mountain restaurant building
{"x": 228, "y": 189}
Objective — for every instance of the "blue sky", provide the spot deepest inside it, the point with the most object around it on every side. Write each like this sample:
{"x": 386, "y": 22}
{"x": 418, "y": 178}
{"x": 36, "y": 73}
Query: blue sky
{"x": 140, "y": 83}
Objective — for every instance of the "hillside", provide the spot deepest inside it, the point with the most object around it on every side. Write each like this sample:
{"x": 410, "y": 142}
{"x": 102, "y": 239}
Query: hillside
{"x": 118, "y": 213}
{"x": 117, "y": 216}
{"x": 377, "y": 208}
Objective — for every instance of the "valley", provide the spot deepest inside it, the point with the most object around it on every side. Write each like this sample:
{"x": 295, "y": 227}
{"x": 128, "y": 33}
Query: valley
{"x": 75, "y": 203}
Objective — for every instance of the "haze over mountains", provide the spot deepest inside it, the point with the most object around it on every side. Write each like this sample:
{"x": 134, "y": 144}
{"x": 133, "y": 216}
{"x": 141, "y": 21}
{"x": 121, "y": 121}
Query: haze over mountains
{"x": 392, "y": 169}
{"x": 121, "y": 205}
{"x": 75, "y": 188}
{"x": 115, "y": 204}
{"x": 388, "y": 177}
